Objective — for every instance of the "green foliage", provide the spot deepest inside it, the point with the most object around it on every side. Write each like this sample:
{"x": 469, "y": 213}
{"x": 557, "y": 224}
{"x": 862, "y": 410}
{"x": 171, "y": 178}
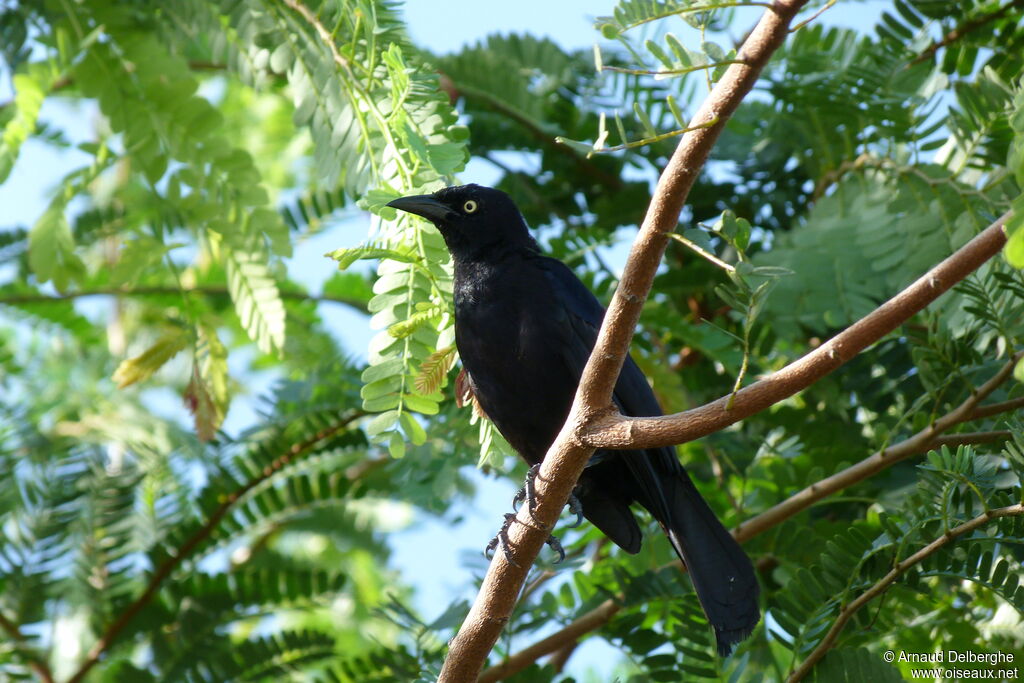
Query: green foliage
{"x": 380, "y": 128}
{"x": 953, "y": 489}
{"x": 236, "y": 538}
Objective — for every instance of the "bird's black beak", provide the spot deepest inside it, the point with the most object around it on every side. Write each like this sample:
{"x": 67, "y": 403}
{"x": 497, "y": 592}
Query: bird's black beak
{"x": 422, "y": 205}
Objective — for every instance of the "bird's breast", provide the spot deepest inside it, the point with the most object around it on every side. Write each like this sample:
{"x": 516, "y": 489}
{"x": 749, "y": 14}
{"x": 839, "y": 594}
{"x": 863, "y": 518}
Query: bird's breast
{"x": 503, "y": 330}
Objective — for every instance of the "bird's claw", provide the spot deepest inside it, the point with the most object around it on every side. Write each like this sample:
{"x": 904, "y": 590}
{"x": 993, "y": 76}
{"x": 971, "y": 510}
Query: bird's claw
{"x": 528, "y": 495}
{"x": 501, "y": 540}
{"x": 529, "y": 492}
{"x": 575, "y": 507}
{"x": 556, "y": 545}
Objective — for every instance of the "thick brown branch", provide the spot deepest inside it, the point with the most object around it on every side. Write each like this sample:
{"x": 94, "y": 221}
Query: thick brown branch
{"x": 849, "y": 610}
{"x": 207, "y": 290}
{"x": 965, "y": 28}
{"x": 611, "y": 430}
{"x": 561, "y": 657}
{"x": 595, "y": 618}
{"x": 163, "y": 571}
{"x": 40, "y": 667}
{"x": 997, "y": 408}
{"x": 970, "y": 438}
{"x": 566, "y": 458}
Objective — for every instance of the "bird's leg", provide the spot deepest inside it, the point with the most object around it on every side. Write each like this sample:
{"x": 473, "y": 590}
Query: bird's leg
{"x": 529, "y": 495}
{"x": 501, "y": 539}
{"x": 528, "y": 492}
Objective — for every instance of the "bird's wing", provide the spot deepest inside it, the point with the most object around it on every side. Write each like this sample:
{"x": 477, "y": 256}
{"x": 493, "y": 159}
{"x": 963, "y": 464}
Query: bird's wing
{"x": 633, "y": 396}
{"x": 583, "y": 316}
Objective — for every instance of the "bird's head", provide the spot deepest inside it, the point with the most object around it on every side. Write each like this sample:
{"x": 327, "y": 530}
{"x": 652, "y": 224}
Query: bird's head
{"x": 473, "y": 219}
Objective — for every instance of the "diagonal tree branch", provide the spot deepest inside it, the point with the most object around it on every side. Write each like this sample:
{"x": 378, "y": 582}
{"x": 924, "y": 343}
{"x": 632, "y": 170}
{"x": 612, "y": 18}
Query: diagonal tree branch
{"x": 37, "y": 665}
{"x": 997, "y": 408}
{"x": 965, "y": 28}
{"x": 591, "y": 621}
{"x": 867, "y": 596}
{"x": 611, "y": 430}
{"x": 164, "y": 570}
{"x": 567, "y": 457}
{"x": 914, "y": 445}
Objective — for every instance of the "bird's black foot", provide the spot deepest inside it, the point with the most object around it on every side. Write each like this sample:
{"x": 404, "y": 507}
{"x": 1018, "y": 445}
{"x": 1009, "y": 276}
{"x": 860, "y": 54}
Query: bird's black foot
{"x": 556, "y": 545}
{"x": 528, "y": 495}
{"x": 528, "y": 492}
{"x": 575, "y": 507}
{"x": 501, "y": 539}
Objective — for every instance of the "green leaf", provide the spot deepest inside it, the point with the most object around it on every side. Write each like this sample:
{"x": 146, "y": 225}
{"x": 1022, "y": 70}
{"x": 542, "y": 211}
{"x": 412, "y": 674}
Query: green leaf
{"x": 256, "y": 298}
{"x": 396, "y": 445}
{"x": 382, "y": 422}
{"x": 414, "y": 429}
{"x": 422, "y": 404}
{"x": 30, "y": 89}
{"x": 51, "y": 249}
{"x": 1014, "y": 249}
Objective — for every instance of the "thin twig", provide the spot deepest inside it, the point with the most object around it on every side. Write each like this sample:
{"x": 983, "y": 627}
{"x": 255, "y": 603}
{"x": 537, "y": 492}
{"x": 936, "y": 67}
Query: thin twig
{"x": 814, "y": 16}
{"x": 669, "y": 72}
{"x": 655, "y": 138}
{"x": 195, "y": 540}
{"x": 547, "y": 138}
{"x": 867, "y": 596}
{"x": 997, "y": 408}
{"x": 697, "y": 249}
{"x": 970, "y": 438}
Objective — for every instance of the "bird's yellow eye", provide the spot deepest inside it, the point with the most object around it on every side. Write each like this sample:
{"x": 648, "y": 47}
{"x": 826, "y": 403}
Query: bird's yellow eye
{"x": 470, "y": 206}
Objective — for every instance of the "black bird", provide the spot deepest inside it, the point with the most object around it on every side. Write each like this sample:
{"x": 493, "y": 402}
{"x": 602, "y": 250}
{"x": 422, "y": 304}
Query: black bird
{"x": 524, "y": 328}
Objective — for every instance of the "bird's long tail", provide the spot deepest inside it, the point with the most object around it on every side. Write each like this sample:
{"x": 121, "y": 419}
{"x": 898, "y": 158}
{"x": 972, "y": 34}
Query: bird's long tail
{"x": 721, "y": 572}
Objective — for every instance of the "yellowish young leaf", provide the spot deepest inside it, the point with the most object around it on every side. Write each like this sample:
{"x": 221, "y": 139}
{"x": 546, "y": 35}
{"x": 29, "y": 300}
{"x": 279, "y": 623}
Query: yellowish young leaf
{"x": 152, "y": 359}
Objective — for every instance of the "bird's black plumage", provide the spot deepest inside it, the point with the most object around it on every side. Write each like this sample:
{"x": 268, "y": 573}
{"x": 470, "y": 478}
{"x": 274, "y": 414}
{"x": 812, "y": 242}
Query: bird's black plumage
{"x": 524, "y": 328}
